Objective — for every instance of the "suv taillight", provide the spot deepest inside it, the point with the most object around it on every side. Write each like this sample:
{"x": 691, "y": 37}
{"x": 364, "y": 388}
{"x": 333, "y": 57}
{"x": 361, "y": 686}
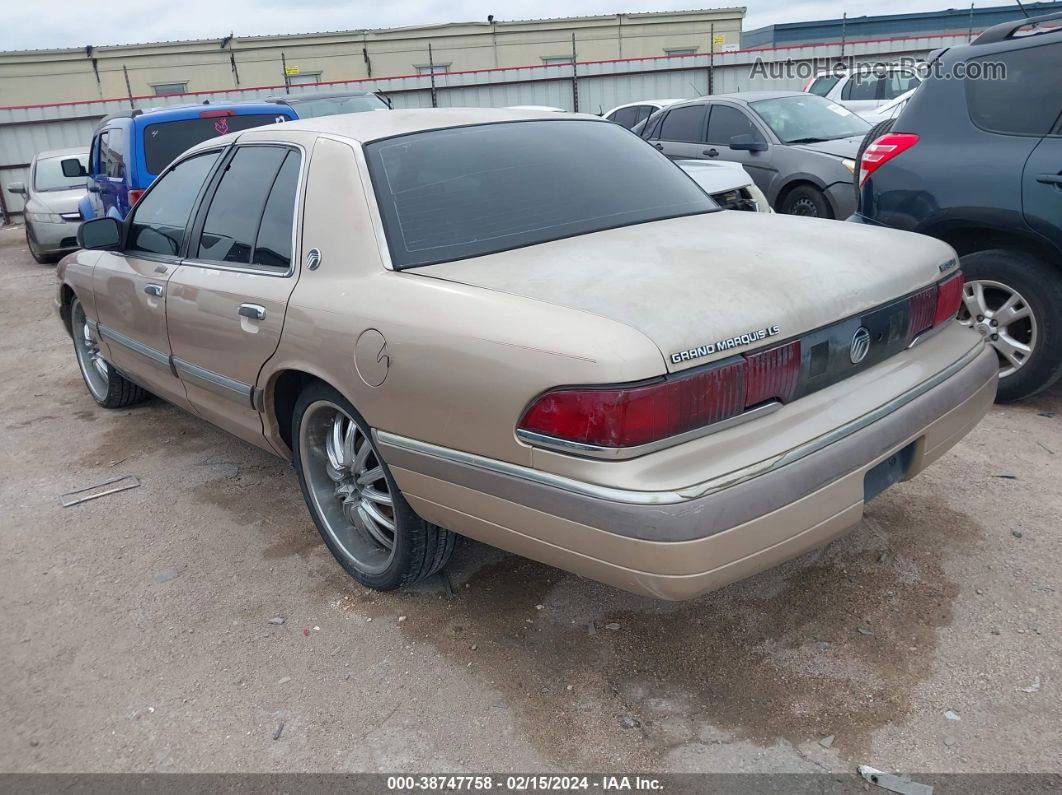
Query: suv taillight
{"x": 882, "y": 151}
{"x": 134, "y": 196}
{"x": 628, "y": 416}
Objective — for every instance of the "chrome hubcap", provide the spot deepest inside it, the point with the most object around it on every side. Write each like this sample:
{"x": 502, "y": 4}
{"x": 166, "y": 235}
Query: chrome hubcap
{"x": 1003, "y": 317}
{"x": 347, "y": 485}
{"x": 94, "y": 367}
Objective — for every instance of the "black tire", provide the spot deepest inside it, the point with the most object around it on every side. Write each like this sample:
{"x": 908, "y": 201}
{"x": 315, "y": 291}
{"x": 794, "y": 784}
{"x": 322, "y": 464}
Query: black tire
{"x": 34, "y": 250}
{"x": 1040, "y": 287}
{"x": 876, "y": 132}
{"x": 805, "y": 200}
{"x": 420, "y": 548}
{"x": 111, "y": 390}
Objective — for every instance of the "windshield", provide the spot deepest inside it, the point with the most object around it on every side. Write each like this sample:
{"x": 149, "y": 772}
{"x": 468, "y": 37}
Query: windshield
{"x": 165, "y": 140}
{"x": 48, "y": 175}
{"x": 330, "y": 106}
{"x": 468, "y": 191}
{"x": 808, "y": 119}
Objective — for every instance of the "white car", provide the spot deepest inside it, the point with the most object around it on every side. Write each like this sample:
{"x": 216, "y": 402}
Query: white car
{"x": 889, "y": 110}
{"x": 634, "y": 113}
{"x": 728, "y": 183}
{"x": 864, "y": 92}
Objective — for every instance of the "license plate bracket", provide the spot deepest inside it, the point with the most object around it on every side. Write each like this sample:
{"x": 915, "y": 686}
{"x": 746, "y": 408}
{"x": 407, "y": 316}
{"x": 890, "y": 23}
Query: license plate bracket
{"x": 888, "y": 472}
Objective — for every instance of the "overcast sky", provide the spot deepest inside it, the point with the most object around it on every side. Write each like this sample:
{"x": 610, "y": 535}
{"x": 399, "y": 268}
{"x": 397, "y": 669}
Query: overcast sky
{"x": 34, "y": 24}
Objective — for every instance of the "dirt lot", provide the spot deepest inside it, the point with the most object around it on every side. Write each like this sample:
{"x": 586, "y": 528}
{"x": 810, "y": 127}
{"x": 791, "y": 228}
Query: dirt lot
{"x": 136, "y": 632}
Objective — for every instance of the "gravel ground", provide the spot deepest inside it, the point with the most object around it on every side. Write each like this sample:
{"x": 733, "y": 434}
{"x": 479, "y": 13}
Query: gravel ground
{"x": 137, "y": 633}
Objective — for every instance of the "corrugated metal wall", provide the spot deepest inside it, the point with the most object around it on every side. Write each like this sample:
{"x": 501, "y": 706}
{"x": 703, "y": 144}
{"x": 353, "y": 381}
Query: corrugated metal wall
{"x": 602, "y": 85}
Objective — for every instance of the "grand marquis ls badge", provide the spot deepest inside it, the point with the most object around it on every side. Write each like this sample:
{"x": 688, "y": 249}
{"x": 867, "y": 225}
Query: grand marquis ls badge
{"x": 747, "y": 338}
{"x": 860, "y": 345}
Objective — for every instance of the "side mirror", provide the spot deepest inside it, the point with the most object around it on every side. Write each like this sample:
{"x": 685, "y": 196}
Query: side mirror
{"x": 17, "y": 187}
{"x": 100, "y": 233}
{"x": 747, "y": 143}
{"x": 72, "y": 167}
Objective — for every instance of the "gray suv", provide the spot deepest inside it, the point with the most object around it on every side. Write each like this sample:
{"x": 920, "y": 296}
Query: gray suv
{"x": 799, "y": 148}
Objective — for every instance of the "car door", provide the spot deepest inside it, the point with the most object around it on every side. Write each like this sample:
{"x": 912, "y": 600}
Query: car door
{"x": 680, "y": 134}
{"x": 130, "y": 285}
{"x": 1042, "y": 188}
{"x": 113, "y": 175}
{"x": 225, "y": 304}
{"x": 726, "y": 121}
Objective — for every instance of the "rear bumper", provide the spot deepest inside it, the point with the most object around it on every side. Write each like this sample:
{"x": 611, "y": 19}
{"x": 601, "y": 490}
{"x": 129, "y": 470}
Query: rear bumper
{"x": 679, "y": 544}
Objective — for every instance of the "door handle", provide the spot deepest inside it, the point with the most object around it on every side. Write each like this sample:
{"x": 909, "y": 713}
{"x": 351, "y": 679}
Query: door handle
{"x": 253, "y": 311}
{"x": 1050, "y": 179}
{"x": 153, "y": 289}
{"x": 711, "y": 152}
{"x": 659, "y": 146}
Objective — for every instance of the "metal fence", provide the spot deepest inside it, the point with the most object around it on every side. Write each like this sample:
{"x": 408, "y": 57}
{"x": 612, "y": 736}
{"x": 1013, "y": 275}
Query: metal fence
{"x": 589, "y": 87}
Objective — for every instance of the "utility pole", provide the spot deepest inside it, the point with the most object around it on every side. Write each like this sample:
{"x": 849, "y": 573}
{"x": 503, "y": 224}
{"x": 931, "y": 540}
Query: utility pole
{"x": 128, "y": 88}
{"x": 284, "y": 66}
{"x": 431, "y": 70}
{"x": 711, "y": 59}
{"x": 575, "y": 78}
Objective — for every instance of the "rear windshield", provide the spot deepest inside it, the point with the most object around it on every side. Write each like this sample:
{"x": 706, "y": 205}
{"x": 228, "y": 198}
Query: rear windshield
{"x": 468, "y": 191}
{"x": 330, "y": 106}
{"x": 165, "y": 140}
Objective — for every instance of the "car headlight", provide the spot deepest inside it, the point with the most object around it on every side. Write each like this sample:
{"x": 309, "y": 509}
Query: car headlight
{"x": 44, "y": 218}
{"x": 849, "y": 164}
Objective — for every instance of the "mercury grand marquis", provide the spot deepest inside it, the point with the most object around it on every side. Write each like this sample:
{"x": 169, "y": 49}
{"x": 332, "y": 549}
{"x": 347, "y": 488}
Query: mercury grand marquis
{"x": 533, "y": 330}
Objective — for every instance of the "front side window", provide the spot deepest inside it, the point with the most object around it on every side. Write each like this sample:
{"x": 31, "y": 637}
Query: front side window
{"x": 862, "y": 87}
{"x": 48, "y": 174}
{"x": 823, "y": 85}
{"x": 330, "y": 106}
{"x": 1027, "y": 101}
{"x": 684, "y": 124}
{"x": 725, "y": 122}
{"x": 112, "y": 153}
{"x": 243, "y": 204}
{"x": 466, "y": 192}
{"x": 165, "y": 140}
{"x": 160, "y": 217}
{"x": 807, "y": 119}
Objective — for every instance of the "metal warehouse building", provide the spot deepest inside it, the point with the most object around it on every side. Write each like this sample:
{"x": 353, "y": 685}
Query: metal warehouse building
{"x": 167, "y": 68}
{"x": 929, "y": 23}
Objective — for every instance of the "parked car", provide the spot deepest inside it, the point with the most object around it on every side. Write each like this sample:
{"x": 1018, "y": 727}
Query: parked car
{"x": 978, "y": 164}
{"x": 129, "y": 149}
{"x": 728, "y": 183}
{"x": 471, "y": 322}
{"x": 633, "y": 113}
{"x": 890, "y": 110}
{"x": 309, "y": 105}
{"x": 864, "y": 92}
{"x": 799, "y": 148}
{"x": 56, "y": 183}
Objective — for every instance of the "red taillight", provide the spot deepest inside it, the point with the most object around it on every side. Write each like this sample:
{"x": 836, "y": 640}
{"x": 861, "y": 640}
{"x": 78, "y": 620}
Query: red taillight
{"x": 134, "y": 196}
{"x": 949, "y": 298}
{"x": 882, "y": 151}
{"x": 772, "y": 374}
{"x": 627, "y": 416}
{"x": 631, "y": 416}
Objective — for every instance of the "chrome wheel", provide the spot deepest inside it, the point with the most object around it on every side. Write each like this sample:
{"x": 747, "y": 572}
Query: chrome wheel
{"x": 346, "y": 483}
{"x": 93, "y": 366}
{"x": 1004, "y": 318}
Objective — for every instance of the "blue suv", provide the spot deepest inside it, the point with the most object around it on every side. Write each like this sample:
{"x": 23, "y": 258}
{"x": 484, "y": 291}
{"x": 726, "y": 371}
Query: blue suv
{"x": 130, "y": 149}
{"x": 975, "y": 159}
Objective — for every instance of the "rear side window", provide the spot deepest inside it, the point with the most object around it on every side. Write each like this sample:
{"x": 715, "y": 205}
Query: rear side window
{"x": 250, "y": 216}
{"x": 161, "y": 216}
{"x": 1028, "y": 101}
{"x": 899, "y": 83}
{"x": 862, "y": 87}
{"x": 625, "y": 117}
{"x": 726, "y": 122}
{"x": 465, "y": 192}
{"x": 823, "y": 85}
{"x": 165, "y": 140}
{"x": 684, "y": 124}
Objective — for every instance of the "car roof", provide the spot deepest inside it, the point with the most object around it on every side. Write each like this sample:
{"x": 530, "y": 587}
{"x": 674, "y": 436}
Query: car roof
{"x": 179, "y": 112}
{"x": 755, "y": 96}
{"x": 364, "y": 127}
{"x": 70, "y": 150}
